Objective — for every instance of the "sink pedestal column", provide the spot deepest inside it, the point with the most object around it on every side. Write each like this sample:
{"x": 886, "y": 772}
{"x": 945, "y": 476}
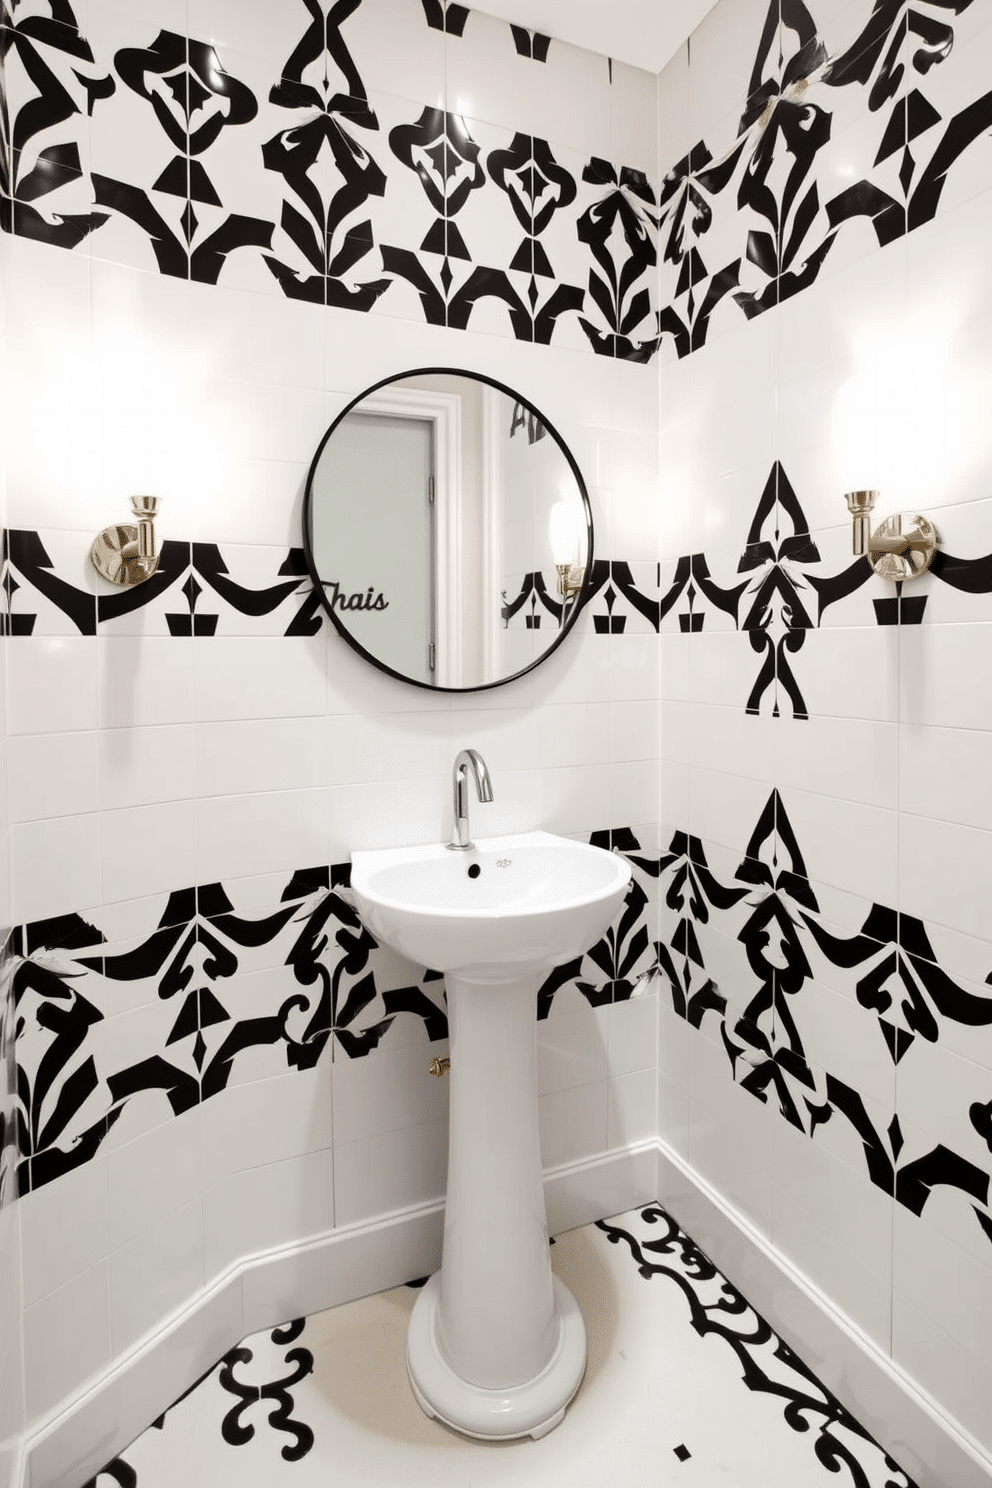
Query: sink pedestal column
{"x": 496, "y": 1346}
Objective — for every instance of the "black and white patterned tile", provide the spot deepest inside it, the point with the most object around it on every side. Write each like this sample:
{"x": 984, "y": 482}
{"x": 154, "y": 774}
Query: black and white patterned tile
{"x": 780, "y": 585}
{"x": 129, "y": 1031}
{"x": 663, "y": 1325}
{"x": 270, "y": 166}
{"x": 748, "y": 956}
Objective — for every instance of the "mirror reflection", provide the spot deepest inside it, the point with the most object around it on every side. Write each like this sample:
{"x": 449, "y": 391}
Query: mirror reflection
{"x": 448, "y": 530}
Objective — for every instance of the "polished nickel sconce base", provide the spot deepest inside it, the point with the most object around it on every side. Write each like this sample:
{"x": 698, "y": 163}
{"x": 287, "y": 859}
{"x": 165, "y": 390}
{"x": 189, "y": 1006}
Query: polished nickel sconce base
{"x": 126, "y": 555}
{"x": 570, "y": 579}
{"x": 900, "y": 548}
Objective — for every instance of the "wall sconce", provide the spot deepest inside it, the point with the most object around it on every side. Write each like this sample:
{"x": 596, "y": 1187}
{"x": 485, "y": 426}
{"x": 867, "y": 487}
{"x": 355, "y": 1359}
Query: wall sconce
{"x": 564, "y": 532}
{"x": 126, "y": 555}
{"x": 895, "y": 552}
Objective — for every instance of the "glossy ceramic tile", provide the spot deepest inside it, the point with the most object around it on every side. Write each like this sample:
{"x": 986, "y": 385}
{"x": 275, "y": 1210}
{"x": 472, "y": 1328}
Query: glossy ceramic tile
{"x": 658, "y": 1326}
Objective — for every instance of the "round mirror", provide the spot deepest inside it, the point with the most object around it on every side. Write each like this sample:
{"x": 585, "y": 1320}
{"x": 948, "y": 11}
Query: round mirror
{"x": 447, "y": 530}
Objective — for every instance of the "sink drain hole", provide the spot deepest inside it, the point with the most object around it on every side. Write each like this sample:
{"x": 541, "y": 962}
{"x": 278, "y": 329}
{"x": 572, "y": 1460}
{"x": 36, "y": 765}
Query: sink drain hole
{"x": 474, "y": 871}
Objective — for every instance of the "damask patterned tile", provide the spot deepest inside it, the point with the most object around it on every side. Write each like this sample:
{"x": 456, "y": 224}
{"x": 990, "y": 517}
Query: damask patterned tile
{"x": 733, "y": 59}
{"x": 504, "y": 74}
{"x": 52, "y": 197}
{"x": 265, "y": 33}
{"x": 956, "y": 1208}
{"x": 634, "y": 117}
{"x": 857, "y": 853}
{"x": 432, "y": 164}
{"x": 412, "y": 65}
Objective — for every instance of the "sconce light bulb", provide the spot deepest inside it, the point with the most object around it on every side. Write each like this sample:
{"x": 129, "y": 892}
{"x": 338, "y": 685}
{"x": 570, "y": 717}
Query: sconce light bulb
{"x": 563, "y": 532}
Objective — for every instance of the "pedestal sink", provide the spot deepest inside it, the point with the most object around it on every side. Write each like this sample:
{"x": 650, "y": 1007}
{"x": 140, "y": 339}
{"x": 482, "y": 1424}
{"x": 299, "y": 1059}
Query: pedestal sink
{"x": 496, "y": 1346}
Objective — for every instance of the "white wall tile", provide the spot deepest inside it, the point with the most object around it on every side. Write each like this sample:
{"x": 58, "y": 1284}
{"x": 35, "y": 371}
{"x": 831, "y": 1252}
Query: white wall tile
{"x": 945, "y": 873}
{"x": 633, "y": 792}
{"x": 573, "y": 1123}
{"x": 148, "y": 848}
{"x": 859, "y": 1285}
{"x": 66, "y": 1338}
{"x": 389, "y": 1171}
{"x": 634, "y": 100}
{"x": 268, "y": 1121}
{"x": 851, "y": 758}
{"x": 932, "y": 1356}
{"x": 938, "y": 667}
{"x": 260, "y": 754}
{"x": 851, "y": 673}
{"x": 388, "y": 1091}
{"x": 73, "y": 842}
{"x": 846, "y": 845}
{"x": 392, "y": 813}
{"x": 268, "y": 677}
{"x": 263, "y": 1207}
{"x": 145, "y": 766}
{"x": 250, "y": 834}
{"x": 725, "y": 808}
{"x": 154, "y": 1175}
{"x": 949, "y": 1286}
{"x": 947, "y": 773}
{"x": 549, "y": 737}
{"x": 64, "y": 1227}
{"x": 733, "y": 742}
{"x": 360, "y": 748}
{"x": 634, "y": 730}
{"x": 571, "y": 1043}
{"x": 144, "y": 680}
{"x": 730, "y": 1134}
{"x": 11, "y": 1344}
{"x": 633, "y": 1034}
{"x": 673, "y": 1116}
{"x": 52, "y": 684}
{"x": 156, "y": 1273}
{"x": 52, "y": 775}
{"x": 632, "y": 1114}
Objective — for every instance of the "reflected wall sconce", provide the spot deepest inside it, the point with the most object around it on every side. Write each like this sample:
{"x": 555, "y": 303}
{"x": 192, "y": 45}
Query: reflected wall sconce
{"x": 126, "y": 555}
{"x": 570, "y": 579}
{"x": 900, "y": 547}
{"x": 565, "y": 534}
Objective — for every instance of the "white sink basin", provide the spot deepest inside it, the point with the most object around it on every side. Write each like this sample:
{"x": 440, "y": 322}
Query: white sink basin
{"x": 508, "y": 906}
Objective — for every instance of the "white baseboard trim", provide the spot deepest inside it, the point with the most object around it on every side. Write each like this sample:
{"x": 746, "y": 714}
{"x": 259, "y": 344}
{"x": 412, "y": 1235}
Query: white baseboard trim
{"x": 902, "y": 1417}
{"x": 261, "y": 1291}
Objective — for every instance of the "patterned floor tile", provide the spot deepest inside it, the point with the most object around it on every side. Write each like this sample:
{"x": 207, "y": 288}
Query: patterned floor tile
{"x": 686, "y": 1387}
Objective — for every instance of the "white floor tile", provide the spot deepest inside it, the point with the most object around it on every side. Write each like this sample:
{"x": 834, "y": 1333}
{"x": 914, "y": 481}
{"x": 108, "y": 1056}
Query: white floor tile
{"x": 685, "y": 1387}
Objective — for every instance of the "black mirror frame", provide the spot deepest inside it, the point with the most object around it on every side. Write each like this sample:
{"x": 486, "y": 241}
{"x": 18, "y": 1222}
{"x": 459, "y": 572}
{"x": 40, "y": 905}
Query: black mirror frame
{"x": 574, "y": 607}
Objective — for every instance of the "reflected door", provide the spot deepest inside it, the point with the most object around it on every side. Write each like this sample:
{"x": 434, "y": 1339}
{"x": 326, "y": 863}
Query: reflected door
{"x": 384, "y": 585}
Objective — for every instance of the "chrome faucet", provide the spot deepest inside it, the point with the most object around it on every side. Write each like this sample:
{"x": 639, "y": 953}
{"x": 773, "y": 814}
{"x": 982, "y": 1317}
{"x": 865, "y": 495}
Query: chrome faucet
{"x": 466, "y": 760}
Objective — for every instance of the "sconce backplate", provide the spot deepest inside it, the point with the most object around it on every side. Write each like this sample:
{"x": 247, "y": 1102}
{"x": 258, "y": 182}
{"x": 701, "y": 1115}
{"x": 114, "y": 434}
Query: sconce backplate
{"x": 918, "y": 530}
{"x": 115, "y": 555}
